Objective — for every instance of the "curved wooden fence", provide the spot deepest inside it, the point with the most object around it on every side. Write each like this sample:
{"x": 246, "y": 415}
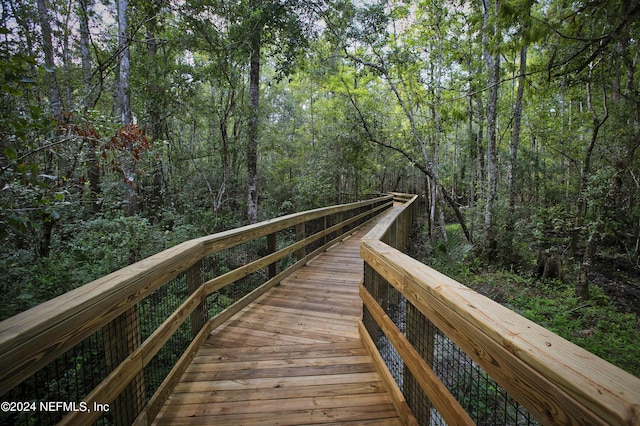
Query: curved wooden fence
{"x": 111, "y": 351}
{"x": 456, "y": 356}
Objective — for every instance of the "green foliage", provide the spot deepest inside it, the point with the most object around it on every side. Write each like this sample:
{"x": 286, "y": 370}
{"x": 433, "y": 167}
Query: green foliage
{"x": 82, "y": 252}
{"x": 455, "y": 257}
{"x": 598, "y": 327}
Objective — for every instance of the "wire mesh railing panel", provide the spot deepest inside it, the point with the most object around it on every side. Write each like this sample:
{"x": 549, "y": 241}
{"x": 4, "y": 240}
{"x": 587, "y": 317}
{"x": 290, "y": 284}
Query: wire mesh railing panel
{"x": 486, "y": 402}
{"x": 59, "y": 387}
{"x": 154, "y": 310}
{"x": 161, "y": 364}
{"x": 159, "y": 305}
{"x": 284, "y": 239}
{"x": 312, "y": 227}
{"x": 394, "y": 362}
{"x": 220, "y": 300}
{"x": 232, "y": 258}
{"x": 333, "y": 219}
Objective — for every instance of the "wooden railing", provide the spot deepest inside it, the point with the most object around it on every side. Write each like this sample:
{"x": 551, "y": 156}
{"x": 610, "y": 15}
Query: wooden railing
{"x": 112, "y": 350}
{"x": 454, "y": 354}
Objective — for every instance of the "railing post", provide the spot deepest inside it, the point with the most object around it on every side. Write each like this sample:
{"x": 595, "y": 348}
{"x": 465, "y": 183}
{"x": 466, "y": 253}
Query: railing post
{"x": 324, "y": 226}
{"x": 120, "y": 339}
{"x": 194, "y": 277}
{"x": 401, "y": 237}
{"x": 392, "y": 235}
{"x": 300, "y": 235}
{"x": 272, "y": 247}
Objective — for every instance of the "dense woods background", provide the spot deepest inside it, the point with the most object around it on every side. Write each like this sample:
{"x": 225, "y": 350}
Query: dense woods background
{"x": 129, "y": 126}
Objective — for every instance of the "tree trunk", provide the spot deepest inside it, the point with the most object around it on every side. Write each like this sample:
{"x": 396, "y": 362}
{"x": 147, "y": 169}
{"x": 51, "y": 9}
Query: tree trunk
{"x": 88, "y": 102}
{"x": 513, "y": 149}
{"x": 473, "y": 158}
{"x": 155, "y": 120}
{"x": 582, "y": 286}
{"x": 85, "y": 54}
{"x": 53, "y": 90}
{"x": 123, "y": 82}
{"x": 252, "y": 142}
{"x": 125, "y": 106}
{"x": 492, "y": 63}
{"x": 438, "y": 130}
{"x": 55, "y": 100}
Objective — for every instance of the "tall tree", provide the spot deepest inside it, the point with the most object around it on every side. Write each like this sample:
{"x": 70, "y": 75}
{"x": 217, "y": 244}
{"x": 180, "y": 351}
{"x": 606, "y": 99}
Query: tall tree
{"x": 491, "y": 56}
{"x": 255, "y": 45}
{"x": 53, "y": 89}
{"x": 519, "y": 15}
{"x": 512, "y": 171}
{"x": 280, "y": 25}
{"x": 124, "y": 99}
{"x": 126, "y": 134}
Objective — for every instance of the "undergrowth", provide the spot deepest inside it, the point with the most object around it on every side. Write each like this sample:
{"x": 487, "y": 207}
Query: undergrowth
{"x": 598, "y": 325}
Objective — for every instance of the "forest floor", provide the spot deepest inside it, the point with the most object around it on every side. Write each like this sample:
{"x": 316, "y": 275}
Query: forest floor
{"x": 620, "y": 281}
{"x": 608, "y": 324}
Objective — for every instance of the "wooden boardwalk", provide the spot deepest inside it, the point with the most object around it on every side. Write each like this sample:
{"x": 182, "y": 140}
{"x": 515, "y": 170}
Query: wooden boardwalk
{"x": 294, "y": 357}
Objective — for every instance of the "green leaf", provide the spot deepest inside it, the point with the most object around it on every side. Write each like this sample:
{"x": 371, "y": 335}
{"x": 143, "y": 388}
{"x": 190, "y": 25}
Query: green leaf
{"x": 10, "y": 153}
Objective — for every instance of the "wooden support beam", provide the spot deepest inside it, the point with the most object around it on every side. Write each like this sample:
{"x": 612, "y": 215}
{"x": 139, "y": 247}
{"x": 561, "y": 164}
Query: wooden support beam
{"x": 194, "y": 277}
{"x": 272, "y": 247}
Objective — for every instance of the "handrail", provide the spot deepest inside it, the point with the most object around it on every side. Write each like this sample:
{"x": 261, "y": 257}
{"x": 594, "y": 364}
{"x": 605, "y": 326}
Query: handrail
{"x": 555, "y": 380}
{"x": 109, "y": 307}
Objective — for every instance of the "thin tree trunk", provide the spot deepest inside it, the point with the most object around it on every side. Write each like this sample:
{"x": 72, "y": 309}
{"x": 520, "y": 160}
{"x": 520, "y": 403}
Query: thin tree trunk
{"x": 155, "y": 92}
{"x": 582, "y": 286}
{"x": 513, "y": 149}
{"x": 492, "y": 63}
{"x": 55, "y": 100}
{"x": 88, "y": 102}
{"x": 123, "y": 82}
{"x": 252, "y": 143}
{"x": 438, "y": 130}
{"x": 473, "y": 158}
{"x": 85, "y": 53}
{"x": 125, "y": 105}
{"x": 53, "y": 90}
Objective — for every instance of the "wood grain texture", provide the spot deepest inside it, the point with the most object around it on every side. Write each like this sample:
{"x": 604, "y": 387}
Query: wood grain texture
{"x": 294, "y": 356}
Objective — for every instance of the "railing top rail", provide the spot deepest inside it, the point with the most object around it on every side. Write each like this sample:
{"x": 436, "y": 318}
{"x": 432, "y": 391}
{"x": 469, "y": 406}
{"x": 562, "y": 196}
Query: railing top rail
{"x": 232, "y": 237}
{"x": 84, "y": 310}
{"x": 378, "y": 231}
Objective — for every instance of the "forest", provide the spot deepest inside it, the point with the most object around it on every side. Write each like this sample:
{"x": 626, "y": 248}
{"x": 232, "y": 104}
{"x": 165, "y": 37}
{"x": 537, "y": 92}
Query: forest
{"x": 129, "y": 126}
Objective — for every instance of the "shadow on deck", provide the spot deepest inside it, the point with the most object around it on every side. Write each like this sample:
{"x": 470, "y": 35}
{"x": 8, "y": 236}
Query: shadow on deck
{"x": 294, "y": 356}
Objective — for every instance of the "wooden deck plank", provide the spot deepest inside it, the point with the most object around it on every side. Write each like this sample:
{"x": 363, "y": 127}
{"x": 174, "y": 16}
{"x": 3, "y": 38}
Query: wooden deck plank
{"x": 293, "y": 357}
{"x": 380, "y": 414}
{"x": 277, "y": 393}
{"x": 247, "y": 385}
{"x": 353, "y": 402}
